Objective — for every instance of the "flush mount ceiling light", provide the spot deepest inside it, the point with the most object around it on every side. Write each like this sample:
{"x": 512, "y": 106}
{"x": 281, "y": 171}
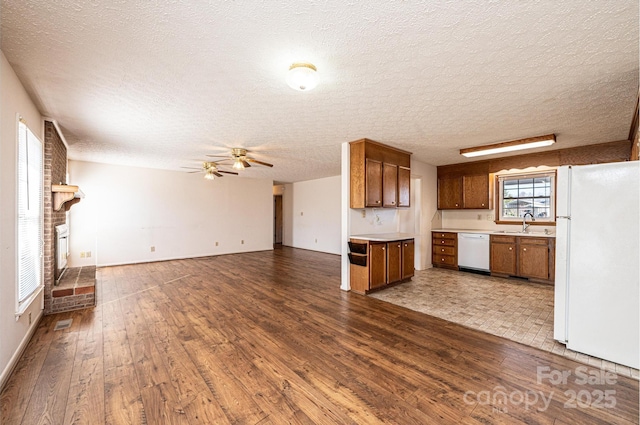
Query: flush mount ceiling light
{"x": 514, "y": 145}
{"x": 302, "y": 76}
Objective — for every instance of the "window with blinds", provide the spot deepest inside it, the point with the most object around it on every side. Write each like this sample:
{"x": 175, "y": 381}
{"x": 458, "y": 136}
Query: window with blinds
{"x": 30, "y": 216}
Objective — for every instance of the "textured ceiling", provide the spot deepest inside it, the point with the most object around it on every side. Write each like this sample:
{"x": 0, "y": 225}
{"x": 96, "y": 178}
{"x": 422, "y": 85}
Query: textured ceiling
{"x": 163, "y": 83}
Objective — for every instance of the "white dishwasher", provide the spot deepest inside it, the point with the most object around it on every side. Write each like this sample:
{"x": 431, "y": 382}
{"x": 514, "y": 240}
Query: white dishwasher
{"x": 473, "y": 251}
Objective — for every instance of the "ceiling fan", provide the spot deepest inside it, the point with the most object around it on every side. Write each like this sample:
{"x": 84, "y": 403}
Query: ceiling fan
{"x": 240, "y": 159}
{"x": 210, "y": 170}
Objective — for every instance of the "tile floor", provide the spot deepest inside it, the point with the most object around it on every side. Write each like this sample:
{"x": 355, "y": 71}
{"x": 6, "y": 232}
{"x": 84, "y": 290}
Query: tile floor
{"x": 511, "y": 308}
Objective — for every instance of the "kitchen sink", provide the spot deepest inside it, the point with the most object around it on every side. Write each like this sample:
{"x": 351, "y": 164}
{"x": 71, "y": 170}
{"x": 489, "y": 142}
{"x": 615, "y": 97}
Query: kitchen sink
{"x": 520, "y": 232}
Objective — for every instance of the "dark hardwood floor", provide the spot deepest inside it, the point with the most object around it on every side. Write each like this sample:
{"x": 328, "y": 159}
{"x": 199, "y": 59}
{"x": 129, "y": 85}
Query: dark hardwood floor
{"x": 268, "y": 338}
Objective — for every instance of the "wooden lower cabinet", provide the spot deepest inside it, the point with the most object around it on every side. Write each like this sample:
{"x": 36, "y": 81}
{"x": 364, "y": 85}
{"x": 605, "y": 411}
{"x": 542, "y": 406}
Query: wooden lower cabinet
{"x": 408, "y": 259}
{"x": 444, "y": 250}
{"x": 394, "y": 261}
{"x": 383, "y": 263}
{"x": 503, "y": 255}
{"x": 523, "y": 256}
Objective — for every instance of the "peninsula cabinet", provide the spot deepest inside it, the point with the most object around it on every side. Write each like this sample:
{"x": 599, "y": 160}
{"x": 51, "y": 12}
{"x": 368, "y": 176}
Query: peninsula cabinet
{"x": 377, "y": 264}
{"x": 463, "y": 192}
{"x": 523, "y": 256}
{"x": 380, "y": 175}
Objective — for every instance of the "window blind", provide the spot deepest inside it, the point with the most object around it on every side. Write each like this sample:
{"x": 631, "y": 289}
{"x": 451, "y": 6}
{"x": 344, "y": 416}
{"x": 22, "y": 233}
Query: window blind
{"x": 30, "y": 214}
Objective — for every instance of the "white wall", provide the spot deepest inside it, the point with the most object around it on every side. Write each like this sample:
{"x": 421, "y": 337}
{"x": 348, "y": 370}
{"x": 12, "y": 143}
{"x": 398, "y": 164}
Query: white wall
{"x": 312, "y": 215}
{"x": 127, "y": 210}
{"x": 428, "y": 176}
{"x": 13, "y": 101}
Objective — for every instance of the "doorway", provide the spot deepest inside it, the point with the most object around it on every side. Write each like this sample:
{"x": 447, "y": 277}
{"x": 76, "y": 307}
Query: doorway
{"x": 277, "y": 219}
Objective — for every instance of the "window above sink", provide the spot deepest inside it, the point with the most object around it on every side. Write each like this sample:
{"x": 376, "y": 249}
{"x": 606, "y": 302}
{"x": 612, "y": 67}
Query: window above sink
{"x": 526, "y": 193}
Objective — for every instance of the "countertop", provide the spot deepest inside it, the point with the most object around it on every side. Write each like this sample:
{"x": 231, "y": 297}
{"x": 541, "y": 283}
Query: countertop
{"x": 384, "y": 237}
{"x": 534, "y": 233}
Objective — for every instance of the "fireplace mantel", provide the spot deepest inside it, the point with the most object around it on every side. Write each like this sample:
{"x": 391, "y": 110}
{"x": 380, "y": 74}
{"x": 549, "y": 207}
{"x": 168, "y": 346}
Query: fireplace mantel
{"x": 65, "y": 195}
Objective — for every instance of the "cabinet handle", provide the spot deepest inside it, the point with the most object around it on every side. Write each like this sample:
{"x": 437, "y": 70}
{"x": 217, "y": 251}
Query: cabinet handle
{"x": 443, "y": 259}
{"x": 406, "y": 244}
{"x": 456, "y": 205}
{"x": 393, "y": 202}
{"x": 483, "y": 205}
{"x": 399, "y": 245}
{"x": 510, "y": 249}
{"x": 441, "y": 241}
{"x": 383, "y": 248}
{"x": 377, "y": 202}
{"x": 442, "y": 249}
{"x": 524, "y": 249}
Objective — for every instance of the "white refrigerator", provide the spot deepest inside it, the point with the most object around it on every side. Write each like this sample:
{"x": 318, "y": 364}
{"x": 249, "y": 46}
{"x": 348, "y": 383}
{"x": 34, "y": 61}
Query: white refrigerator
{"x": 597, "y": 296}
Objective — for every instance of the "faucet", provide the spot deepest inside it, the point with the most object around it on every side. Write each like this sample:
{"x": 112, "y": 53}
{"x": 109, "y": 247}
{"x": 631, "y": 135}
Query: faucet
{"x": 524, "y": 221}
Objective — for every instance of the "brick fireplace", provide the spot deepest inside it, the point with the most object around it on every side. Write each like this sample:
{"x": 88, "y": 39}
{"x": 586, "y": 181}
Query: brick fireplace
{"x": 79, "y": 293}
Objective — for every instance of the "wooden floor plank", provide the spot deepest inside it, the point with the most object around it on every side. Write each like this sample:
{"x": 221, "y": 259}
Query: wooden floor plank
{"x": 268, "y": 338}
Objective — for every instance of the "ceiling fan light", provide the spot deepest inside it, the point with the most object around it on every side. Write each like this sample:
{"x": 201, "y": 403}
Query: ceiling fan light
{"x": 302, "y": 76}
{"x": 238, "y": 165}
{"x": 209, "y": 175}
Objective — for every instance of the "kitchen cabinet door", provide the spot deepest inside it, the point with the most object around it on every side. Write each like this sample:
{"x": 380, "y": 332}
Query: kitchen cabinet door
{"x": 408, "y": 258}
{"x": 389, "y": 185}
{"x": 394, "y": 261}
{"x": 503, "y": 258}
{"x": 475, "y": 193}
{"x": 404, "y": 187}
{"x": 449, "y": 193}
{"x": 373, "y": 183}
{"x": 533, "y": 259}
{"x": 377, "y": 265}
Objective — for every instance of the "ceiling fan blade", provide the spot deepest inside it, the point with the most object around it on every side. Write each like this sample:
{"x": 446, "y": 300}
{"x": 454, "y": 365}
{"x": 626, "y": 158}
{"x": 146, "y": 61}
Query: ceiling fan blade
{"x": 227, "y": 172}
{"x": 192, "y": 168}
{"x": 193, "y": 172}
{"x": 245, "y": 163}
{"x": 217, "y": 174}
{"x": 218, "y": 156}
{"x": 259, "y": 162}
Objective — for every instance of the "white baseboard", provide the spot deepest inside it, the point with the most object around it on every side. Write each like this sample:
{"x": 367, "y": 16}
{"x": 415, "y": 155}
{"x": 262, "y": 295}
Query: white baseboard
{"x": 6, "y": 373}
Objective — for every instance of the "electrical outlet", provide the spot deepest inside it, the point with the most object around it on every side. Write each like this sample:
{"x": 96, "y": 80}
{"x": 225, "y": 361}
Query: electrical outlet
{"x": 316, "y": 240}
{"x": 364, "y": 213}
{"x": 153, "y": 249}
{"x": 301, "y": 213}
{"x": 489, "y": 217}
{"x": 88, "y": 254}
{"x": 242, "y": 241}
{"x": 82, "y": 254}
{"x": 479, "y": 216}
{"x": 216, "y": 243}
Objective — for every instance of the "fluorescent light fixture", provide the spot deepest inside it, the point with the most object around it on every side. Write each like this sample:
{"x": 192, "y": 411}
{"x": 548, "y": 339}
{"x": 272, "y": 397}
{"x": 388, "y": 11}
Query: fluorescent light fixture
{"x": 302, "y": 76}
{"x": 514, "y": 145}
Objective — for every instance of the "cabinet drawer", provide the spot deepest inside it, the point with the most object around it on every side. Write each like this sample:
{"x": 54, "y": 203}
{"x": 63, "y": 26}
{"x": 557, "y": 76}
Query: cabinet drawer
{"x": 443, "y": 250}
{"x": 444, "y": 242}
{"x": 503, "y": 239}
{"x": 528, "y": 240}
{"x": 448, "y": 260}
{"x": 444, "y": 235}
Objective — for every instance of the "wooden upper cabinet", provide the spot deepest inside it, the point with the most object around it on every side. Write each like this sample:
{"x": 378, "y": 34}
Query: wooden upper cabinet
{"x": 449, "y": 193}
{"x": 373, "y": 183}
{"x": 464, "y": 191}
{"x": 379, "y": 175}
{"x": 404, "y": 187}
{"x": 475, "y": 191}
{"x": 389, "y": 185}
